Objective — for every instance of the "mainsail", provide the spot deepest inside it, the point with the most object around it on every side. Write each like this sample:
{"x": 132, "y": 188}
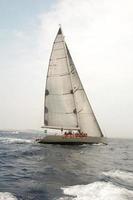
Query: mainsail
{"x": 66, "y": 103}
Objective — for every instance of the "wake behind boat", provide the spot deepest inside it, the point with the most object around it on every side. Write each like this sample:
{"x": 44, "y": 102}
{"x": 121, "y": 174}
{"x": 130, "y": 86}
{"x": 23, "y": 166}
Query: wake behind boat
{"x": 67, "y": 107}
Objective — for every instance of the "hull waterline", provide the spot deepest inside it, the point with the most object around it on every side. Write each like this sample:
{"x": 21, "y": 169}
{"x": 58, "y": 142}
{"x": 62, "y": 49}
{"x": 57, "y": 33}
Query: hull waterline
{"x": 70, "y": 140}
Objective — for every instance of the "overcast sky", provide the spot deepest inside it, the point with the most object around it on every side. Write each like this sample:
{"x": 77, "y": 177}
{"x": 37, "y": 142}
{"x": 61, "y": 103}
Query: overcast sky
{"x": 99, "y": 34}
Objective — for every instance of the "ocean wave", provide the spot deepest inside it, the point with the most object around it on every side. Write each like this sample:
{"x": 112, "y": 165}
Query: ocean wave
{"x": 119, "y": 174}
{"x": 10, "y": 140}
{"x": 97, "y": 191}
{"x": 99, "y": 144}
{"x": 7, "y": 196}
{"x": 120, "y": 177}
{"x": 103, "y": 190}
{"x": 15, "y": 132}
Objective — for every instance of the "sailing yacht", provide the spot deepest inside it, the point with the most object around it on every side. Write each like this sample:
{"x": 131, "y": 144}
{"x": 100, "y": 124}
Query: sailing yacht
{"x": 66, "y": 106}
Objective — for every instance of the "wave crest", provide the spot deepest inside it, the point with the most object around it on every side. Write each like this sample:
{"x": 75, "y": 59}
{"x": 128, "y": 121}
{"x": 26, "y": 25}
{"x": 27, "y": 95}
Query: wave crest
{"x": 102, "y": 190}
{"x": 98, "y": 191}
{"x": 119, "y": 177}
{"x": 10, "y": 140}
{"x": 7, "y": 196}
{"x": 119, "y": 174}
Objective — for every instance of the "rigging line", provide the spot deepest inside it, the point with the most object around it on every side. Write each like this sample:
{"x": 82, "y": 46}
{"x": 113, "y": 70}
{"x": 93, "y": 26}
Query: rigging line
{"x": 77, "y": 90}
{"x": 89, "y": 113}
{"x": 79, "y": 110}
{"x": 73, "y": 71}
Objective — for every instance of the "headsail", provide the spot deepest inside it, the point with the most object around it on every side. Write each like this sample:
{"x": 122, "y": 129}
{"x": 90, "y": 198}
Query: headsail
{"x": 86, "y": 118}
{"x": 66, "y": 104}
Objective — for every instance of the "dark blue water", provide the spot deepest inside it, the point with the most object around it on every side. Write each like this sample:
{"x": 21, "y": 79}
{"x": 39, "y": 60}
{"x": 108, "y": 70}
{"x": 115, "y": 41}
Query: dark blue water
{"x": 31, "y": 171}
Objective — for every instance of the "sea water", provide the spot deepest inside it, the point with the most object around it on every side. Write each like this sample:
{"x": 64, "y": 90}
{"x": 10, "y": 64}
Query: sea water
{"x": 32, "y": 171}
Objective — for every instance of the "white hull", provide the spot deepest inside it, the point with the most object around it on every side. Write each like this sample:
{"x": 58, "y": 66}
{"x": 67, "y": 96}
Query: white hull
{"x": 53, "y": 139}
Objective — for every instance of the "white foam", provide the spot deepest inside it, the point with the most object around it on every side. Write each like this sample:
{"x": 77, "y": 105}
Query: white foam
{"x": 118, "y": 174}
{"x": 7, "y": 196}
{"x": 15, "y": 132}
{"x": 127, "y": 177}
{"x": 99, "y": 144}
{"x": 8, "y": 140}
{"x": 97, "y": 191}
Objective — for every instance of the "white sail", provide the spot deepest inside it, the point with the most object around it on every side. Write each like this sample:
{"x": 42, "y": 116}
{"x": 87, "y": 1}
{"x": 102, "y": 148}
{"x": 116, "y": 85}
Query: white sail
{"x": 66, "y": 104}
{"x": 59, "y": 100}
{"x": 86, "y": 118}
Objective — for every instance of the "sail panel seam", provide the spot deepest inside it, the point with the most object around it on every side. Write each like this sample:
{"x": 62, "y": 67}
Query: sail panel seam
{"x": 58, "y": 42}
{"x": 57, "y": 75}
{"x": 61, "y": 113}
{"x": 61, "y": 58}
{"x": 58, "y": 49}
{"x": 69, "y": 93}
